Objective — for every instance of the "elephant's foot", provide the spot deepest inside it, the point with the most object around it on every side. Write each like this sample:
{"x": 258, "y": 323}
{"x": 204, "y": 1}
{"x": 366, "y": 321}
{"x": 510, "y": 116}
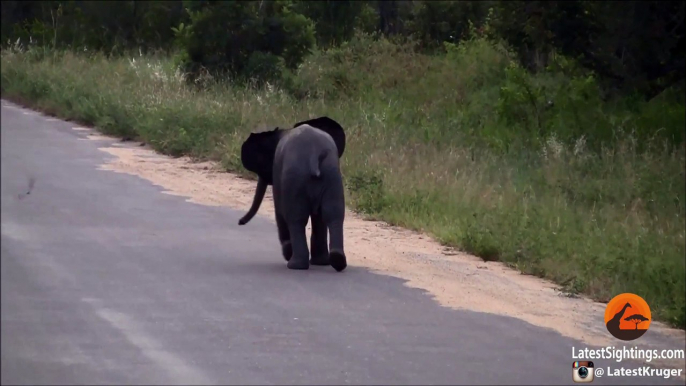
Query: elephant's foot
{"x": 287, "y": 250}
{"x": 338, "y": 260}
{"x": 298, "y": 264}
{"x": 320, "y": 260}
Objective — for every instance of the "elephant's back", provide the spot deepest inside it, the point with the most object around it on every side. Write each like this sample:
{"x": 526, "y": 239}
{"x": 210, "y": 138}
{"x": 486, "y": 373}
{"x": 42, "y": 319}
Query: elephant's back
{"x": 309, "y": 135}
{"x": 294, "y": 152}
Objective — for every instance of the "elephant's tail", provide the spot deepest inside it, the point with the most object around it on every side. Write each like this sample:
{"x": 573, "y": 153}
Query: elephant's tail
{"x": 315, "y": 161}
{"x": 256, "y": 202}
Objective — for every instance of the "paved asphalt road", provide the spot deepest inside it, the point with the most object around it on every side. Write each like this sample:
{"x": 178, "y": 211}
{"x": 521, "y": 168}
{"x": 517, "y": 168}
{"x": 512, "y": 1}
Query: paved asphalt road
{"x": 107, "y": 281}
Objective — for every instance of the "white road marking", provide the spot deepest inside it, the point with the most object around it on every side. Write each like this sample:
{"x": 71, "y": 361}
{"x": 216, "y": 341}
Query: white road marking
{"x": 179, "y": 371}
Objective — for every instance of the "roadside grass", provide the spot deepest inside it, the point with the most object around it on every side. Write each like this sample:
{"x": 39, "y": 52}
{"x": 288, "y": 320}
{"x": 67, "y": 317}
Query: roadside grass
{"x": 465, "y": 147}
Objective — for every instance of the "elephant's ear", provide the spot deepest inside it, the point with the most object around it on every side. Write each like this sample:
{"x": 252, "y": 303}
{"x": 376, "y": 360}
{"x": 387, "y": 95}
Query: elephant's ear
{"x": 257, "y": 153}
{"x": 331, "y": 127}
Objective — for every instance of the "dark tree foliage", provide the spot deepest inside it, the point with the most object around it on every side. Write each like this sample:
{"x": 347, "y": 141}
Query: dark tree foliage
{"x": 435, "y": 22}
{"x": 254, "y": 39}
{"x": 633, "y": 47}
{"x": 97, "y": 25}
{"x": 335, "y": 20}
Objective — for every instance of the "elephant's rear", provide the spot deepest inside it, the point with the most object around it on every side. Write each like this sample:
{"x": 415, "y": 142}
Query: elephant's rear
{"x": 309, "y": 184}
{"x": 306, "y": 147}
{"x": 307, "y": 161}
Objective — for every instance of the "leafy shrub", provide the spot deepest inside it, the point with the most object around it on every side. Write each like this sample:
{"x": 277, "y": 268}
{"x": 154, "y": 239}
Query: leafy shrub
{"x": 368, "y": 191}
{"x": 247, "y": 40}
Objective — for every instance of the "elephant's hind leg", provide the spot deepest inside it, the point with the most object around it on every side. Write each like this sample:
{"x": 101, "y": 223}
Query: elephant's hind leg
{"x": 284, "y": 237}
{"x": 338, "y": 260}
{"x": 318, "y": 241}
{"x": 301, "y": 254}
{"x": 334, "y": 216}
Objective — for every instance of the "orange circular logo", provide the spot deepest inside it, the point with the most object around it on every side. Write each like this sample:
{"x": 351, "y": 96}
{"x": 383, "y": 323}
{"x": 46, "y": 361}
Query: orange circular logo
{"x": 627, "y": 316}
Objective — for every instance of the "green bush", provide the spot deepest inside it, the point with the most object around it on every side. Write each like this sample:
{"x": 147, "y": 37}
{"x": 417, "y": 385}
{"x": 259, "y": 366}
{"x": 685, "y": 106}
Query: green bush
{"x": 247, "y": 40}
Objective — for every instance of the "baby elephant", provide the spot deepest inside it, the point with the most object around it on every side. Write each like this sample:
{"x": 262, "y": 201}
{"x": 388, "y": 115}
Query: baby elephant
{"x": 302, "y": 165}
